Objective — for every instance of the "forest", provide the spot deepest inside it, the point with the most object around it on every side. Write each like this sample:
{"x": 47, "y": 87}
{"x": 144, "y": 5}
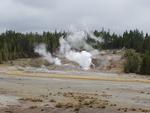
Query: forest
{"x": 14, "y": 45}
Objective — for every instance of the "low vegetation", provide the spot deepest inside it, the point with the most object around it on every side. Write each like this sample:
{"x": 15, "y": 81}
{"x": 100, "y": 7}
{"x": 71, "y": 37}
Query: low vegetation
{"x": 136, "y": 62}
{"x": 133, "y": 61}
{"x": 32, "y": 99}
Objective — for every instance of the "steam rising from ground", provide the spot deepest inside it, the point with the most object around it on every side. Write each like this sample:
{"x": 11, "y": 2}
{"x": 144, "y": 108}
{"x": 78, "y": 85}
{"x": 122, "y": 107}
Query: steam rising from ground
{"x": 41, "y": 50}
{"x": 83, "y": 58}
{"x": 78, "y": 40}
{"x": 73, "y": 47}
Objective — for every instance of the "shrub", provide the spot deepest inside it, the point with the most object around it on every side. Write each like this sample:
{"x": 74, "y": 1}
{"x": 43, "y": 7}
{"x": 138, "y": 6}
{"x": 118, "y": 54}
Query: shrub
{"x": 133, "y": 61}
{"x": 145, "y": 66}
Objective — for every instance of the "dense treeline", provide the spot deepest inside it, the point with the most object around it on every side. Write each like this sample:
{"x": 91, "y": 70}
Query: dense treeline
{"x": 15, "y": 45}
{"x": 130, "y": 40}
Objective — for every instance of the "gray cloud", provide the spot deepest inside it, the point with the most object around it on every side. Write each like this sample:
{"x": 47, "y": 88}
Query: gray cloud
{"x": 39, "y": 15}
{"x": 39, "y": 3}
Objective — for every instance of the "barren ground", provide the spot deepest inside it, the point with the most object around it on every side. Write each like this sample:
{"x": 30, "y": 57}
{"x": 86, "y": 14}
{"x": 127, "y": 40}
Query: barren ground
{"x": 72, "y": 92}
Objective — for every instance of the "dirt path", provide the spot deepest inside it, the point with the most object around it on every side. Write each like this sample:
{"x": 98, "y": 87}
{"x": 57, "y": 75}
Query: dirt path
{"x": 55, "y": 93}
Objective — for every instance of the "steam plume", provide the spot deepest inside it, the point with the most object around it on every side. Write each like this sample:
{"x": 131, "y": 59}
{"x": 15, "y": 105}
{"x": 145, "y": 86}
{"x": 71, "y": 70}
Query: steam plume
{"x": 72, "y": 45}
{"x": 41, "y": 50}
{"x": 83, "y": 58}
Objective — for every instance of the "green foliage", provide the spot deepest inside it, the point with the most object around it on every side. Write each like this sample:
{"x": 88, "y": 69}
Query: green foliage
{"x": 134, "y": 39}
{"x": 133, "y": 62}
{"x": 16, "y": 45}
{"x": 94, "y": 43}
{"x": 137, "y": 63}
{"x": 145, "y": 67}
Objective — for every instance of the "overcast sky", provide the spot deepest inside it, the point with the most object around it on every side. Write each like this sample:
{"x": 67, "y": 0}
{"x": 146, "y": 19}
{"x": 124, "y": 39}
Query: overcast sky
{"x": 39, "y": 15}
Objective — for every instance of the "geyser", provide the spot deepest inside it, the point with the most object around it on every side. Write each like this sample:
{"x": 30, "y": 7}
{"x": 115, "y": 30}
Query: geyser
{"x": 83, "y": 58}
{"x": 75, "y": 48}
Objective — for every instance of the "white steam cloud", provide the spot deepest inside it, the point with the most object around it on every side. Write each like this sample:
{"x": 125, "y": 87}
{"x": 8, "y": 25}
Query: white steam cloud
{"x": 83, "y": 58}
{"x": 41, "y": 50}
{"x": 75, "y": 48}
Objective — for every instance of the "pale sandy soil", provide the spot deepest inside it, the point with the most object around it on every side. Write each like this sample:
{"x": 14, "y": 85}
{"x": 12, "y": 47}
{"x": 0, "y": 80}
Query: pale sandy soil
{"x": 72, "y": 92}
